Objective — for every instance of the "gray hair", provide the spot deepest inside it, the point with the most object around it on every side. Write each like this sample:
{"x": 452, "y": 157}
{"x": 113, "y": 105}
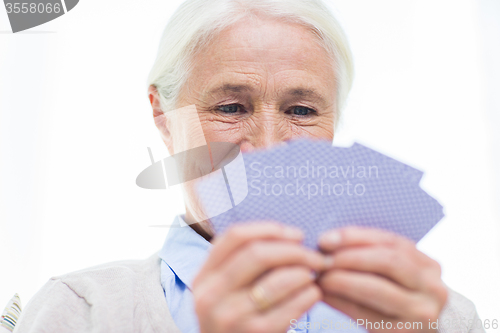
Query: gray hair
{"x": 196, "y": 22}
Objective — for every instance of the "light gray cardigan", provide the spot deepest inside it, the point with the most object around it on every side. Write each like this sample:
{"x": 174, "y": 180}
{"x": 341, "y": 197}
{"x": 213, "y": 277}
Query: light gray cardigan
{"x": 126, "y": 296}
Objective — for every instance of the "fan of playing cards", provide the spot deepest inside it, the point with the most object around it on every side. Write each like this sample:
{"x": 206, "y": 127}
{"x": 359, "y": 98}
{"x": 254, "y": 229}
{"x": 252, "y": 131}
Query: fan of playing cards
{"x": 315, "y": 186}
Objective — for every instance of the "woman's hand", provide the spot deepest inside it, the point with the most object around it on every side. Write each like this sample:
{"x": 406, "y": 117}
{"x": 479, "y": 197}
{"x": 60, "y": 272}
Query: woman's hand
{"x": 257, "y": 278}
{"x": 378, "y": 276}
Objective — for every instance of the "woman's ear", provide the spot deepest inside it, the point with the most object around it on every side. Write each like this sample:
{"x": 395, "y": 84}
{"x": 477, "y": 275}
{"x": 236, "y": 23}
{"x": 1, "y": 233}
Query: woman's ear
{"x": 160, "y": 118}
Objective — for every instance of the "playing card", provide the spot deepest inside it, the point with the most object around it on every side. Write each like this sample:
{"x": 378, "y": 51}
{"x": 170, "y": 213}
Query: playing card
{"x": 315, "y": 186}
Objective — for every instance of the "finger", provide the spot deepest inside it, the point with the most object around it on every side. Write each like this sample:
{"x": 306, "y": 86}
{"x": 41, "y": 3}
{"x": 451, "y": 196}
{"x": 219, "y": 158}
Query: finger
{"x": 361, "y": 314}
{"x": 278, "y": 318}
{"x": 376, "y": 293}
{"x": 361, "y": 236}
{"x": 277, "y": 286}
{"x": 336, "y": 240}
{"x": 371, "y": 319}
{"x": 281, "y": 282}
{"x": 385, "y": 261}
{"x": 256, "y": 258}
{"x": 239, "y": 235}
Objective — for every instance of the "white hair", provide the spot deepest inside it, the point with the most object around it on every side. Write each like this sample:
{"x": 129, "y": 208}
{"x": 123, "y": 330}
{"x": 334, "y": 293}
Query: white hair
{"x": 196, "y": 22}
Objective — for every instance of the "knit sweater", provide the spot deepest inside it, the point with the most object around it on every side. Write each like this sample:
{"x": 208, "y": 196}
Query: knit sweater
{"x": 126, "y": 296}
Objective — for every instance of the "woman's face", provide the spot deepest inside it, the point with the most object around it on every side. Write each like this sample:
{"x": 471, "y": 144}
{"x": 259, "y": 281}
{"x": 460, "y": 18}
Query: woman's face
{"x": 258, "y": 84}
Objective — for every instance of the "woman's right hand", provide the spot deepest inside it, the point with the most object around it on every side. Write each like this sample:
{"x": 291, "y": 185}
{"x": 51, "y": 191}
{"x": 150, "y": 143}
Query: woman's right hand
{"x": 257, "y": 278}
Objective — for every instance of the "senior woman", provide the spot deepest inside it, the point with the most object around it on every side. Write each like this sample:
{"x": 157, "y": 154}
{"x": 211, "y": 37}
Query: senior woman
{"x": 254, "y": 73}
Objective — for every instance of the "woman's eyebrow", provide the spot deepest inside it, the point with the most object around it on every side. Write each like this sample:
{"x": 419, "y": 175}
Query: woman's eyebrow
{"x": 305, "y": 93}
{"x": 298, "y": 92}
{"x": 229, "y": 88}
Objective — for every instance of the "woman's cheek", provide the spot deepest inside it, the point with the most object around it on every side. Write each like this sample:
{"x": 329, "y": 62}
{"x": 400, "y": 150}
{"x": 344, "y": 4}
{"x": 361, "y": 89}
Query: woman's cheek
{"x": 218, "y": 131}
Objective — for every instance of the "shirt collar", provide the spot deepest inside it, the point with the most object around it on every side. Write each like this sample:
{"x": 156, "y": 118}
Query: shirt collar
{"x": 184, "y": 251}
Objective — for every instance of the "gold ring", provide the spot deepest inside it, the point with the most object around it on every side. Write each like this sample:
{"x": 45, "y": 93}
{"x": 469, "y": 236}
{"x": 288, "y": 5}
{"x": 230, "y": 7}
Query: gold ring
{"x": 258, "y": 296}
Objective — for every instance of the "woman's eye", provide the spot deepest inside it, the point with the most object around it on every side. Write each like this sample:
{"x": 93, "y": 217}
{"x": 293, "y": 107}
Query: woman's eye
{"x": 302, "y": 111}
{"x": 231, "y": 108}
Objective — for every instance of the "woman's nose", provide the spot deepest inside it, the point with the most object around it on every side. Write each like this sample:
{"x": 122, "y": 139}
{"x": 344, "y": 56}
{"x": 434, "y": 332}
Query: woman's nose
{"x": 264, "y": 134}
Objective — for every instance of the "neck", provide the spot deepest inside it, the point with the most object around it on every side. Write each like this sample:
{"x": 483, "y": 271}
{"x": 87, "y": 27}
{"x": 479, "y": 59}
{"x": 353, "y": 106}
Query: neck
{"x": 202, "y": 228}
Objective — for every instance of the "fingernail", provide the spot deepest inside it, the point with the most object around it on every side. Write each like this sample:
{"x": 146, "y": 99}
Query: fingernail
{"x": 328, "y": 261}
{"x": 332, "y": 238}
{"x": 313, "y": 275}
{"x": 291, "y": 232}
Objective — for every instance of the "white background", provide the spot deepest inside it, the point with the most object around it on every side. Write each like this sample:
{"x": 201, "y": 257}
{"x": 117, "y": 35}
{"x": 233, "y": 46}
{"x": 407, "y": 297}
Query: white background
{"x": 75, "y": 124}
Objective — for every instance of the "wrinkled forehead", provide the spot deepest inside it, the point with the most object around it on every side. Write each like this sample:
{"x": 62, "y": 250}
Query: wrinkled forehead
{"x": 259, "y": 49}
{"x": 262, "y": 38}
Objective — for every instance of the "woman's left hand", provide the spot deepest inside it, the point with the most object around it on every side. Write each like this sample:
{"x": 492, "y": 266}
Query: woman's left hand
{"x": 380, "y": 277}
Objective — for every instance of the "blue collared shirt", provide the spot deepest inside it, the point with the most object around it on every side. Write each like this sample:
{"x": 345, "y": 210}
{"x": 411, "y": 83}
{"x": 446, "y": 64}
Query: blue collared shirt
{"x": 183, "y": 254}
